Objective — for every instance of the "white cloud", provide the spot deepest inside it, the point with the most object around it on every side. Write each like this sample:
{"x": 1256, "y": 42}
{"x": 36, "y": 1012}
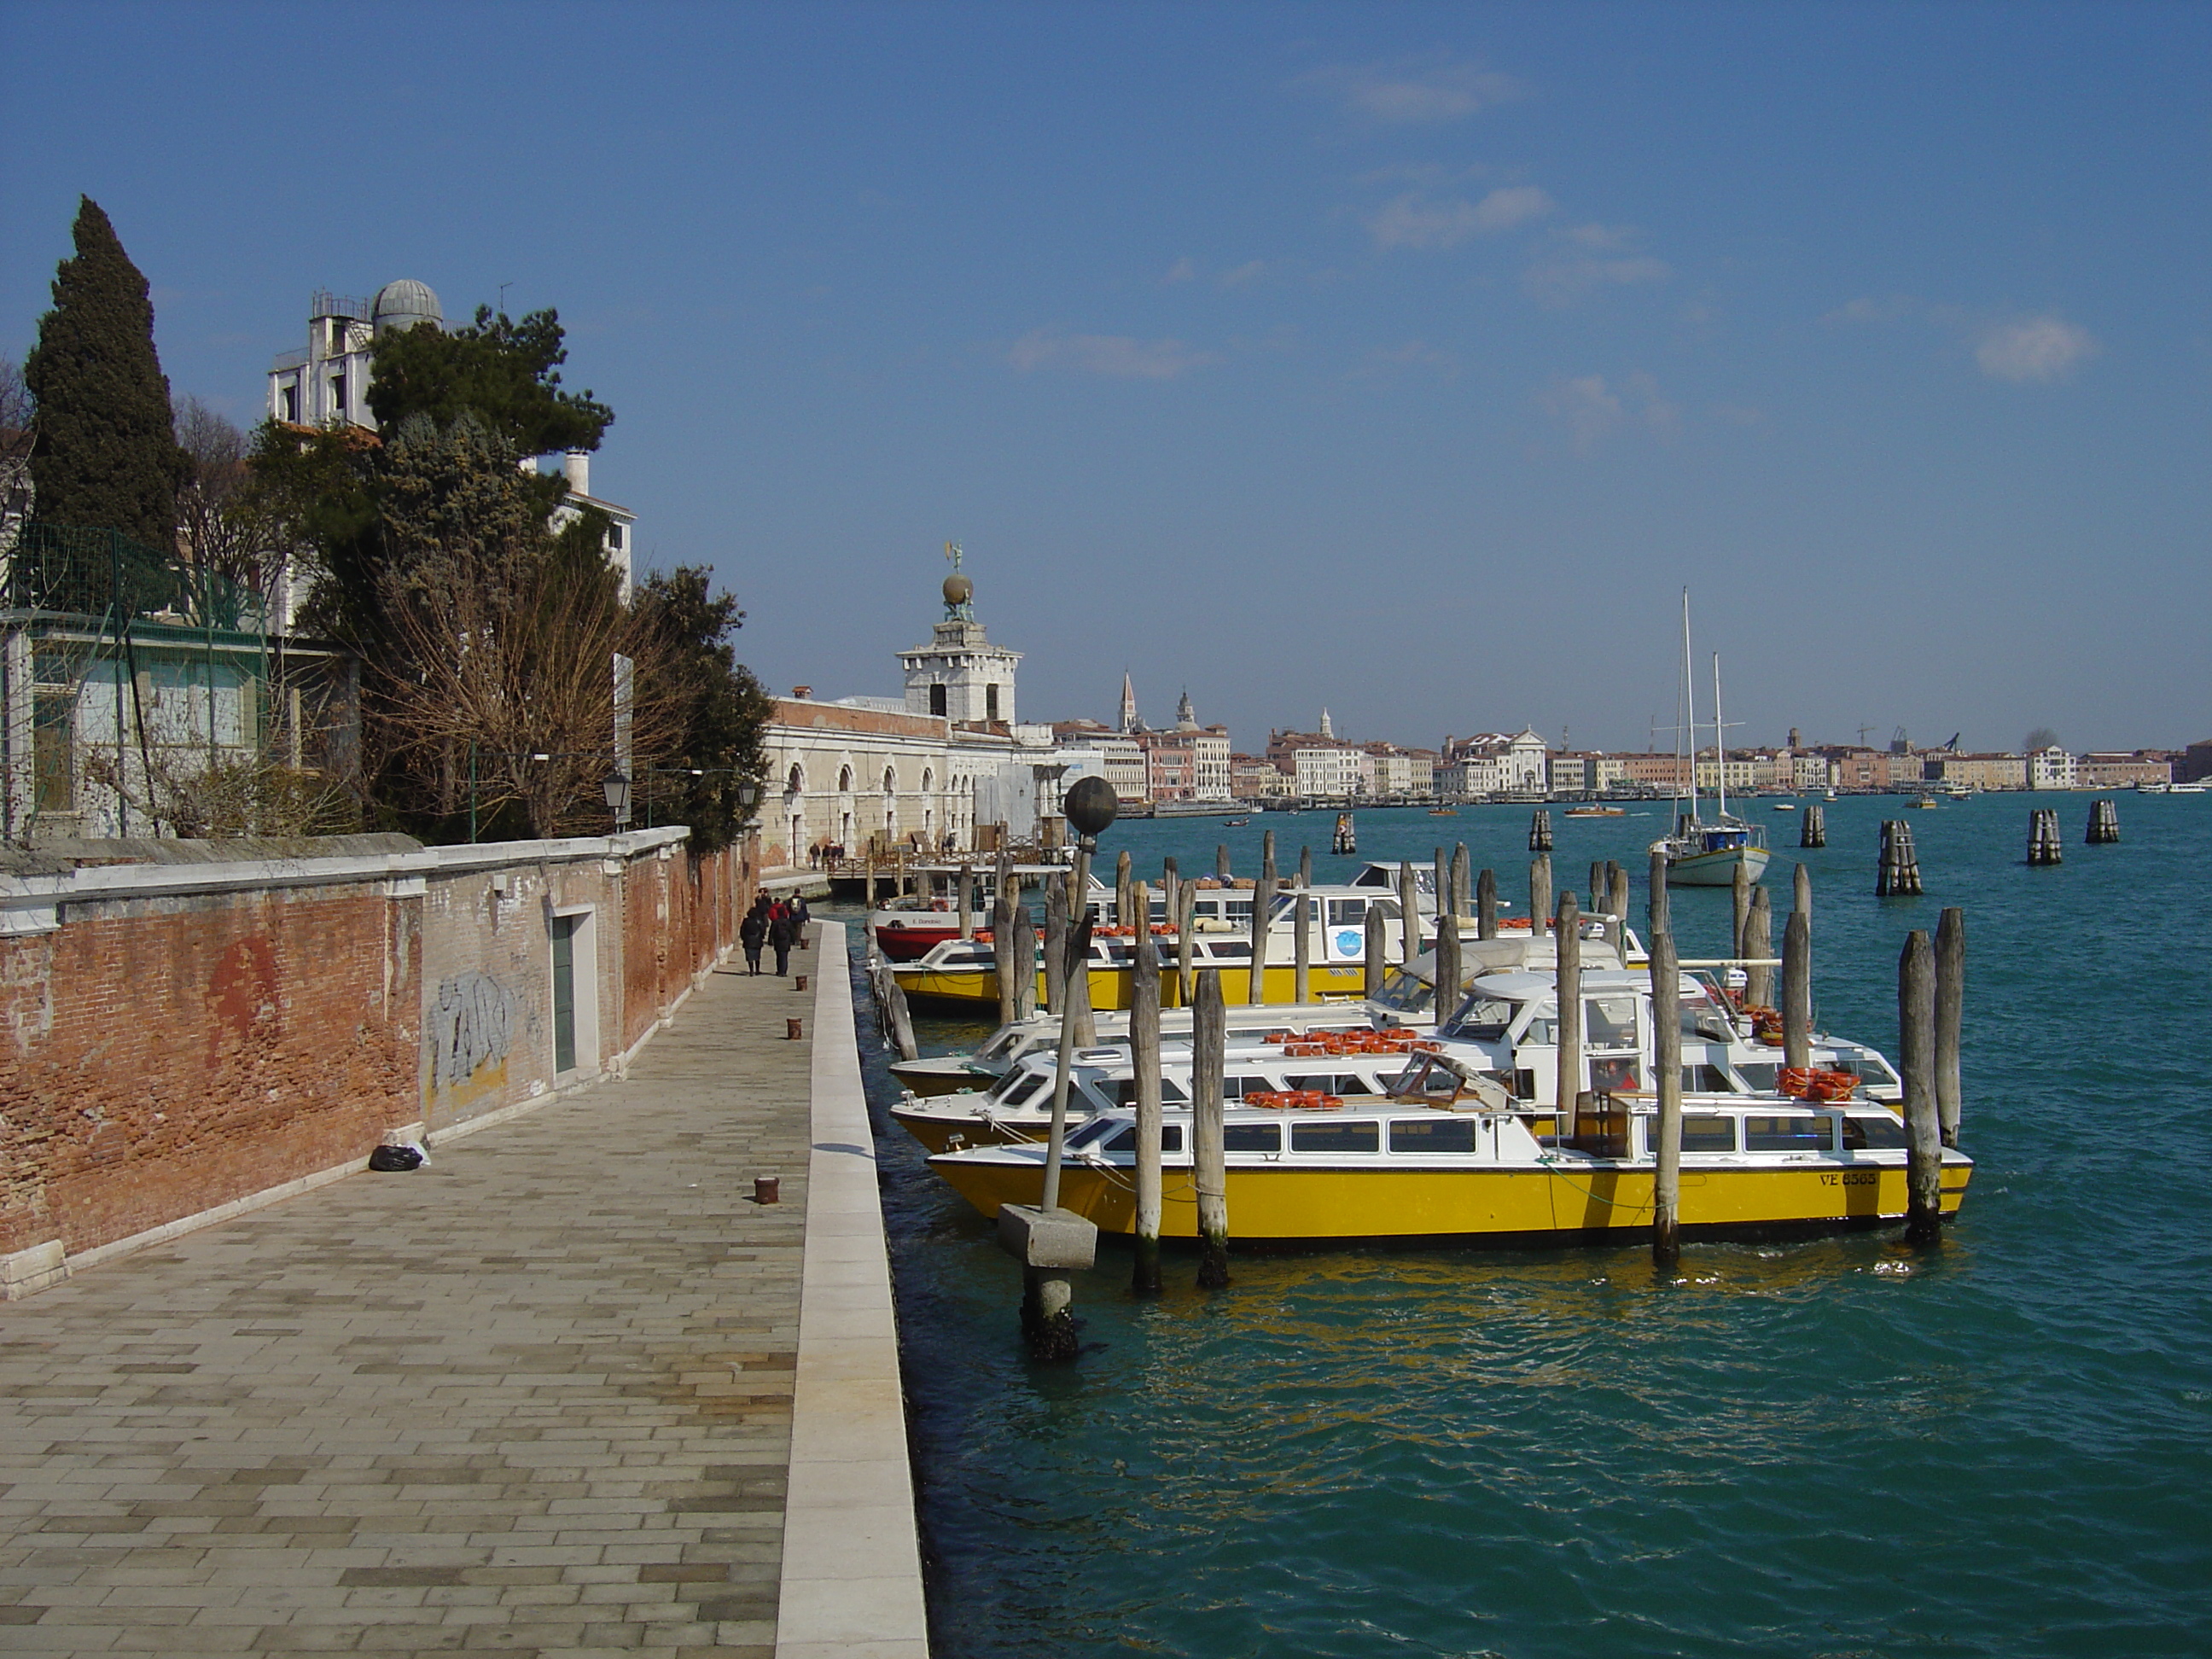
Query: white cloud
{"x": 1183, "y": 270}
{"x": 1587, "y": 257}
{"x": 1119, "y": 356}
{"x": 1413, "y": 220}
{"x": 1591, "y": 407}
{"x": 1250, "y": 272}
{"x": 1415, "y": 91}
{"x": 2040, "y": 348}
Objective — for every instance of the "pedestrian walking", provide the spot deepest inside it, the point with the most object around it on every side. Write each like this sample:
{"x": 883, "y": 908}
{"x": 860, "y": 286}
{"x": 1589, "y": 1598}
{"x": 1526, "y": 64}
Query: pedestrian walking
{"x": 752, "y": 934}
{"x": 781, "y": 931}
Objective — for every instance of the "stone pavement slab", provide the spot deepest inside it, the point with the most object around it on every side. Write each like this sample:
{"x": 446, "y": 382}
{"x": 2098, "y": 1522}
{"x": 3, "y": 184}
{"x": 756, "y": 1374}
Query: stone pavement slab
{"x": 536, "y": 1397}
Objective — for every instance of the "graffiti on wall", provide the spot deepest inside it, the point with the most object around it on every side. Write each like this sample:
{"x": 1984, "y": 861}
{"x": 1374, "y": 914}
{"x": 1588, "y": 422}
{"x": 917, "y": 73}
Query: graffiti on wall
{"x": 472, "y": 1027}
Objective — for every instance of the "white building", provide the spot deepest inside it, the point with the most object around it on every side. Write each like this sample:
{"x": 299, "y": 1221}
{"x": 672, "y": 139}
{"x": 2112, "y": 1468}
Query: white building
{"x": 328, "y": 381}
{"x": 2051, "y": 768}
{"x": 960, "y": 675}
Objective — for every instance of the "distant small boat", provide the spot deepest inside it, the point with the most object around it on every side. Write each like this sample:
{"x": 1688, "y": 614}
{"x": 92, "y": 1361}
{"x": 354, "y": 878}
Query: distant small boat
{"x": 1785, "y": 806}
{"x": 1442, "y": 812}
{"x": 1596, "y": 813}
{"x": 1236, "y": 823}
{"x": 1924, "y": 800}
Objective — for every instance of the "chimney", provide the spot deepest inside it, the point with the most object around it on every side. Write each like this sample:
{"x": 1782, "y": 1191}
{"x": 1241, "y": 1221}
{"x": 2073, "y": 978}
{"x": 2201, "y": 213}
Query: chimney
{"x": 576, "y": 468}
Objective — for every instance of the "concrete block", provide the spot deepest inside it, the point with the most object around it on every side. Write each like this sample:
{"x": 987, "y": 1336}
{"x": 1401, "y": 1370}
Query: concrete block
{"x": 1047, "y": 1238}
{"x": 26, "y": 1271}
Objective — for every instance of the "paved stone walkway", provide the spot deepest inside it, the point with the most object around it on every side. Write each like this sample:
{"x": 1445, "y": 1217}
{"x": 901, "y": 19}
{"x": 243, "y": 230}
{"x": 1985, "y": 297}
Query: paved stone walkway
{"x": 534, "y": 1399}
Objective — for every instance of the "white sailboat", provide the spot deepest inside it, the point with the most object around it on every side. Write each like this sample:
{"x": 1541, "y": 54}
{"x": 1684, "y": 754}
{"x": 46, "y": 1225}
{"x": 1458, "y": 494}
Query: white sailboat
{"x": 1701, "y": 852}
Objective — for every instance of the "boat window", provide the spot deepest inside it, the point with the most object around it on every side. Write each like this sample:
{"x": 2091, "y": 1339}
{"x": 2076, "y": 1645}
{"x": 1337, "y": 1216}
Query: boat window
{"x": 1789, "y": 1134}
{"x": 1702, "y": 1080}
{"x": 1238, "y": 910}
{"x": 1347, "y": 912}
{"x": 1241, "y": 948}
{"x": 1121, "y": 954}
{"x": 1171, "y": 1139}
{"x": 999, "y": 1044}
{"x": 1436, "y": 1134}
{"x": 1252, "y": 1138}
{"x": 1334, "y": 1083}
{"x": 1480, "y": 1019}
{"x": 1235, "y": 1088}
{"x": 1874, "y": 1134}
{"x": 1016, "y": 1086}
{"x": 1613, "y": 1074}
{"x": 1704, "y": 1132}
{"x": 1157, "y": 908}
{"x": 1088, "y": 1132}
{"x": 1702, "y": 1016}
{"x": 1543, "y": 1031}
{"x": 1760, "y": 1073}
{"x": 1336, "y": 1137}
{"x": 1609, "y": 1021}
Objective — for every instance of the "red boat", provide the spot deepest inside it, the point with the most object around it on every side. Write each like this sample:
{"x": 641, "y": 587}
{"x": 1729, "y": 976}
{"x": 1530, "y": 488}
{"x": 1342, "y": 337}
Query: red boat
{"x": 909, "y": 935}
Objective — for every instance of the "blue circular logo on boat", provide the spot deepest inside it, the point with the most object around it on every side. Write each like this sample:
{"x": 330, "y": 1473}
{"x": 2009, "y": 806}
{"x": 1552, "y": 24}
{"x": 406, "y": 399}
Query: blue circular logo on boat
{"x": 1350, "y": 942}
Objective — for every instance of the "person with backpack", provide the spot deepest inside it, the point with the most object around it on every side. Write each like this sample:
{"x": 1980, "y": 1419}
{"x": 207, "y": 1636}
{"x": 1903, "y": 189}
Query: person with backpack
{"x": 781, "y": 931}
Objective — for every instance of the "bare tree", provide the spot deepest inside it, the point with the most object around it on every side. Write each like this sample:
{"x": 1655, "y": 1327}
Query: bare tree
{"x": 2041, "y": 737}
{"x": 225, "y": 525}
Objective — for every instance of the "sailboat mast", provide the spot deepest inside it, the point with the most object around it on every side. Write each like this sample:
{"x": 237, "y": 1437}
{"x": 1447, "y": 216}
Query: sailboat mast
{"x": 1720, "y": 740}
{"x": 1689, "y": 717}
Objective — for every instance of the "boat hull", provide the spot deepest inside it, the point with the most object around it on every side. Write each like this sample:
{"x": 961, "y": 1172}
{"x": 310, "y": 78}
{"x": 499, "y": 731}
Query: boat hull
{"x": 944, "y": 1075}
{"x": 1716, "y": 869}
{"x": 978, "y": 986}
{"x": 1280, "y": 1205}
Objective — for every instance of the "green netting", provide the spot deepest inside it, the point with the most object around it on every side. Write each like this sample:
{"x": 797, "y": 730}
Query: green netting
{"x": 79, "y": 571}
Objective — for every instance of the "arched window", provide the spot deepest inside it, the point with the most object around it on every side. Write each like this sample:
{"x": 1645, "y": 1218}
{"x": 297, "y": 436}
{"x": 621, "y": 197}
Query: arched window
{"x": 796, "y": 782}
{"x": 890, "y": 780}
{"x": 845, "y": 781}
{"x": 929, "y": 781}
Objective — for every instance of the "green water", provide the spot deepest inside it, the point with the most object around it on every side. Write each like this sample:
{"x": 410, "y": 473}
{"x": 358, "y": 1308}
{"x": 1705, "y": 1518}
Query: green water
{"x": 2002, "y": 1446}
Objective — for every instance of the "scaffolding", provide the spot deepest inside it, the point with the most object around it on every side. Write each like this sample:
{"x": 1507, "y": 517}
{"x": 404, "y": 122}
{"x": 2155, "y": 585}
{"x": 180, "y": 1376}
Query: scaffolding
{"x": 142, "y": 694}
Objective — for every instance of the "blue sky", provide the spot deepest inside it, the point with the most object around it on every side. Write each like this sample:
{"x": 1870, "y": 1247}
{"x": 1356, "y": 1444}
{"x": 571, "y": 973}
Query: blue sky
{"x": 1405, "y": 359}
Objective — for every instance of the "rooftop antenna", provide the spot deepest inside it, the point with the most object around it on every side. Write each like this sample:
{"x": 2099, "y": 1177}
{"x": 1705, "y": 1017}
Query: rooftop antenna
{"x": 503, "y": 287}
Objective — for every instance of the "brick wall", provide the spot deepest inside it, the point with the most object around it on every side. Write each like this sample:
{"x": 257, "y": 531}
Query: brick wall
{"x": 173, "y": 1038}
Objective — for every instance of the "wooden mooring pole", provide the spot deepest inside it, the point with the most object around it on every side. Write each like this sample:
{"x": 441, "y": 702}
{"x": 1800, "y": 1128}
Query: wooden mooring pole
{"x": 1567, "y": 988}
{"x": 1758, "y": 945}
{"x": 1186, "y": 933}
{"x": 1409, "y": 914}
{"x": 1172, "y": 887}
{"x": 1221, "y": 861}
{"x": 1123, "y": 879}
{"x": 1666, "y": 1079}
{"x": 1616, "y": 890}
{"x": 1446, "y": 997}
{"x": 1797, "y": 986}
{"x": 1540, "y": 894}
{"x": 1144, "y": 1063}
{"x": 2104, "y": 823}
{"x": 1305, "y": 867}
{"x": 1462, "y": 891}
{"x": 1950, "y": 1019}
{"x": 1209, "y": 1166}
{"x": 1486, "y": 904}
{"x": 964, "y": 897}
{"x": 1539, "y": 831}
{"x": 1002, "y": 950}
{"x": 1812, "y": 826}
{"x": 1024, "y": 933}
{"x": 1915, "y": 1052}
{"x": 1301, "y": 932}
{"x": 1263, "y": 900}
{"x": 1739, "y": 908}
{"x": 1055, "y": 947}
{"x": 1376, "y": 948}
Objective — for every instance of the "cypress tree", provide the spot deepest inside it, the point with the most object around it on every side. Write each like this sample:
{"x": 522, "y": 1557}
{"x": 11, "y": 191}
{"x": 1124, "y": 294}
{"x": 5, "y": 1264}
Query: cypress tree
{"x": 106, "y": 453}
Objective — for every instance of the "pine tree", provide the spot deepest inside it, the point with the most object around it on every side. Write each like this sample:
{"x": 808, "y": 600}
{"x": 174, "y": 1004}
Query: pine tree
{"x": 106, "y": 453}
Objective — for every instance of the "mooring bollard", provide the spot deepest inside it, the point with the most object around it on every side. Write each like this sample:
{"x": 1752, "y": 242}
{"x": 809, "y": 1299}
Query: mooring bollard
{"x": 1813, "y": 827}
{"x": 1667, "y": 1081}
{"x": 1486, "y": 904}
{"x": 768, "y": 1189}
{"x": 799, "y": 981}
{"x": 1916, "y": 1053}
{"x": 1899, "y": 876}
{"x": 2104, "y": 823}
{"x": 1050, "y": 1244}
{"x": 1539, "y": 831}
{"x": 791, "y": 1030}
{"x": 2043, "y": 845}
{"x": 1377, "y": 946}
{"x": 1540, "y": 894}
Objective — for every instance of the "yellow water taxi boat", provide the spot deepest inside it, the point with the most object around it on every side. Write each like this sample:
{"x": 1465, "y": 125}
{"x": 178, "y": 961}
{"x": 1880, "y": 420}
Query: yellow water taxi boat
{"x": 1471, "y": 1171}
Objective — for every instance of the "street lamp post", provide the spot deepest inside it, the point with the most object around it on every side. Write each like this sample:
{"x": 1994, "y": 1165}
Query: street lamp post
{"x": 1051, "y": 1243}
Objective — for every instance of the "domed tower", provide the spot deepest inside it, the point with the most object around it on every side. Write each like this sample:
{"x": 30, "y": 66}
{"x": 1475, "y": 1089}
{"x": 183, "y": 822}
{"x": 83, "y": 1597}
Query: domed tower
{"x": 960, "y": 675}
{"x": 403, "y": 304}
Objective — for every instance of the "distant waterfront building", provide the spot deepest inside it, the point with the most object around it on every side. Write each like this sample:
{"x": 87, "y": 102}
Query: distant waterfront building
{"x": 2050, "y": 768}
{"x": 1317, "y": 765}
{"x": 2113, "y": 770}
{"x": 2196, "y": 763}
{"x": 1188, "y": 763}
{"x": 1495, "y": 763}
{"x": 1254, "y": 777}
{"x": 1974, "y": 771}
{"x": 326, "y": 382}
{"x": 1396, "y": 770}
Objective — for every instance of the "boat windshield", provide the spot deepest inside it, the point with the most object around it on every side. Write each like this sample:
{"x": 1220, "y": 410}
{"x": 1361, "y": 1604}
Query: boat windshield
{"x": 1016, "y": 1086}
{"x": 1480, "y": 1019}
{"x": 1720, "y": 840}
{"x": 1403, "y": 992}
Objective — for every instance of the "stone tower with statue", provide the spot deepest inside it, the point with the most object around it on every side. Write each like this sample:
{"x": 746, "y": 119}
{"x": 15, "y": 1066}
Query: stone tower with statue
{"x": 960, "y": 674}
